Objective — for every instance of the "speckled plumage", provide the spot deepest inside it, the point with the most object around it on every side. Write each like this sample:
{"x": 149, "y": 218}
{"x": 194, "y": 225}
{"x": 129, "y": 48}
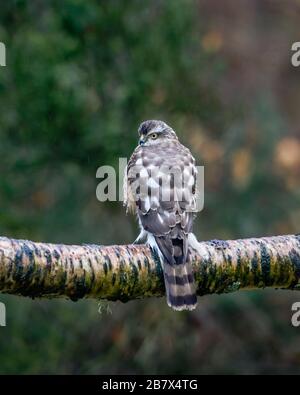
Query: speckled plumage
{"x": 160, "y": 187}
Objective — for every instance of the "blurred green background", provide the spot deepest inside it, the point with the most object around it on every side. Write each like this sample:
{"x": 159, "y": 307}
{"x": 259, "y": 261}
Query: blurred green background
{"x": 79, "y": 79}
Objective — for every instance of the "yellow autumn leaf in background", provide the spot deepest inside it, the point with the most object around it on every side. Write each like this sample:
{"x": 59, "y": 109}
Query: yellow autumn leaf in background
{"x": 212, "y": 41}
{"x": 287, "y": 154}
{"x": 241, "y": 166}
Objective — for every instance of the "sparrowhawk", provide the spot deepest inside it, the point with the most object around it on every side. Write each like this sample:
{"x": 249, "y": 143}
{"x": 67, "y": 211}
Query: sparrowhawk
{"x": 160, "y": 187}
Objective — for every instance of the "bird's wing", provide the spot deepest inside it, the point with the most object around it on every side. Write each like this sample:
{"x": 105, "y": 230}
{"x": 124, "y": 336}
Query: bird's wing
{"x": 130, "y": 181}
{"x": 168, "y": 212}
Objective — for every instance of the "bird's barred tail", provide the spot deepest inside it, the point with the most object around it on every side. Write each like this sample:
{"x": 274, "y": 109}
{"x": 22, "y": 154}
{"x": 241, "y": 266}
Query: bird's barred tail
{"x": 180, "y": 286}
{"x": 178, "y": 272}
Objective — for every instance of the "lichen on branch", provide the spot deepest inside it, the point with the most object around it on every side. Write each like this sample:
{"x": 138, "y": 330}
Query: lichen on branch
{"x": 134, "y": 271}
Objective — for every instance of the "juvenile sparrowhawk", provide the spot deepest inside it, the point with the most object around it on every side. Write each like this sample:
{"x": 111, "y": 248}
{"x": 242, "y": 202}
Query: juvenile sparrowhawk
{"x": 160, "y": 187}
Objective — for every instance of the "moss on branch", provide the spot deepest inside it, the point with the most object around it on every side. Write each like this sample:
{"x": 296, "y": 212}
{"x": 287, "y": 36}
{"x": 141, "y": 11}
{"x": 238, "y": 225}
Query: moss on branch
{"x": 133, "y": 271}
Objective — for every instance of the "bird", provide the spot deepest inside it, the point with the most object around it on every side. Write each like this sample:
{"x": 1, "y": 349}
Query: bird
{"x": 160, "y": 188}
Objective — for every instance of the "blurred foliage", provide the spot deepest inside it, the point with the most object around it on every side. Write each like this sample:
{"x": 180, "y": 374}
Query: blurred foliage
{"x": 80, "y": 77}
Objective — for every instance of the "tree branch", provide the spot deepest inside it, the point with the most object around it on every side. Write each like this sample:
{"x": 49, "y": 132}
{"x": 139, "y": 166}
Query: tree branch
{"x": 133, "y": 271}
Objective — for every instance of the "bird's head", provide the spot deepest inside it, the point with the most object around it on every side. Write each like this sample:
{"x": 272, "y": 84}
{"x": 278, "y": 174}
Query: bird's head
{"x": 154, "y": 132}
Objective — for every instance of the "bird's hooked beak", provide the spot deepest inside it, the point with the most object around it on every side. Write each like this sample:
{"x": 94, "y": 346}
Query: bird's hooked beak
{"x": 141, "y": 141}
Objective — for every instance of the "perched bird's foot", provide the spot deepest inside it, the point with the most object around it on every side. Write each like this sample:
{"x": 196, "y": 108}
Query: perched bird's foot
{"x": 138, "y": 241}
{"x": 141, "y": 239}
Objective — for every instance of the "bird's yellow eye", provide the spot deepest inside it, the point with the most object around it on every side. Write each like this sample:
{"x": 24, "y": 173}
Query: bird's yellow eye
{"x": 154, "y": 136}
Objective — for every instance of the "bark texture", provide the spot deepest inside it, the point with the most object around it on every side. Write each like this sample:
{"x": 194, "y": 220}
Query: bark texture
{"x": 133, "y": 271}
